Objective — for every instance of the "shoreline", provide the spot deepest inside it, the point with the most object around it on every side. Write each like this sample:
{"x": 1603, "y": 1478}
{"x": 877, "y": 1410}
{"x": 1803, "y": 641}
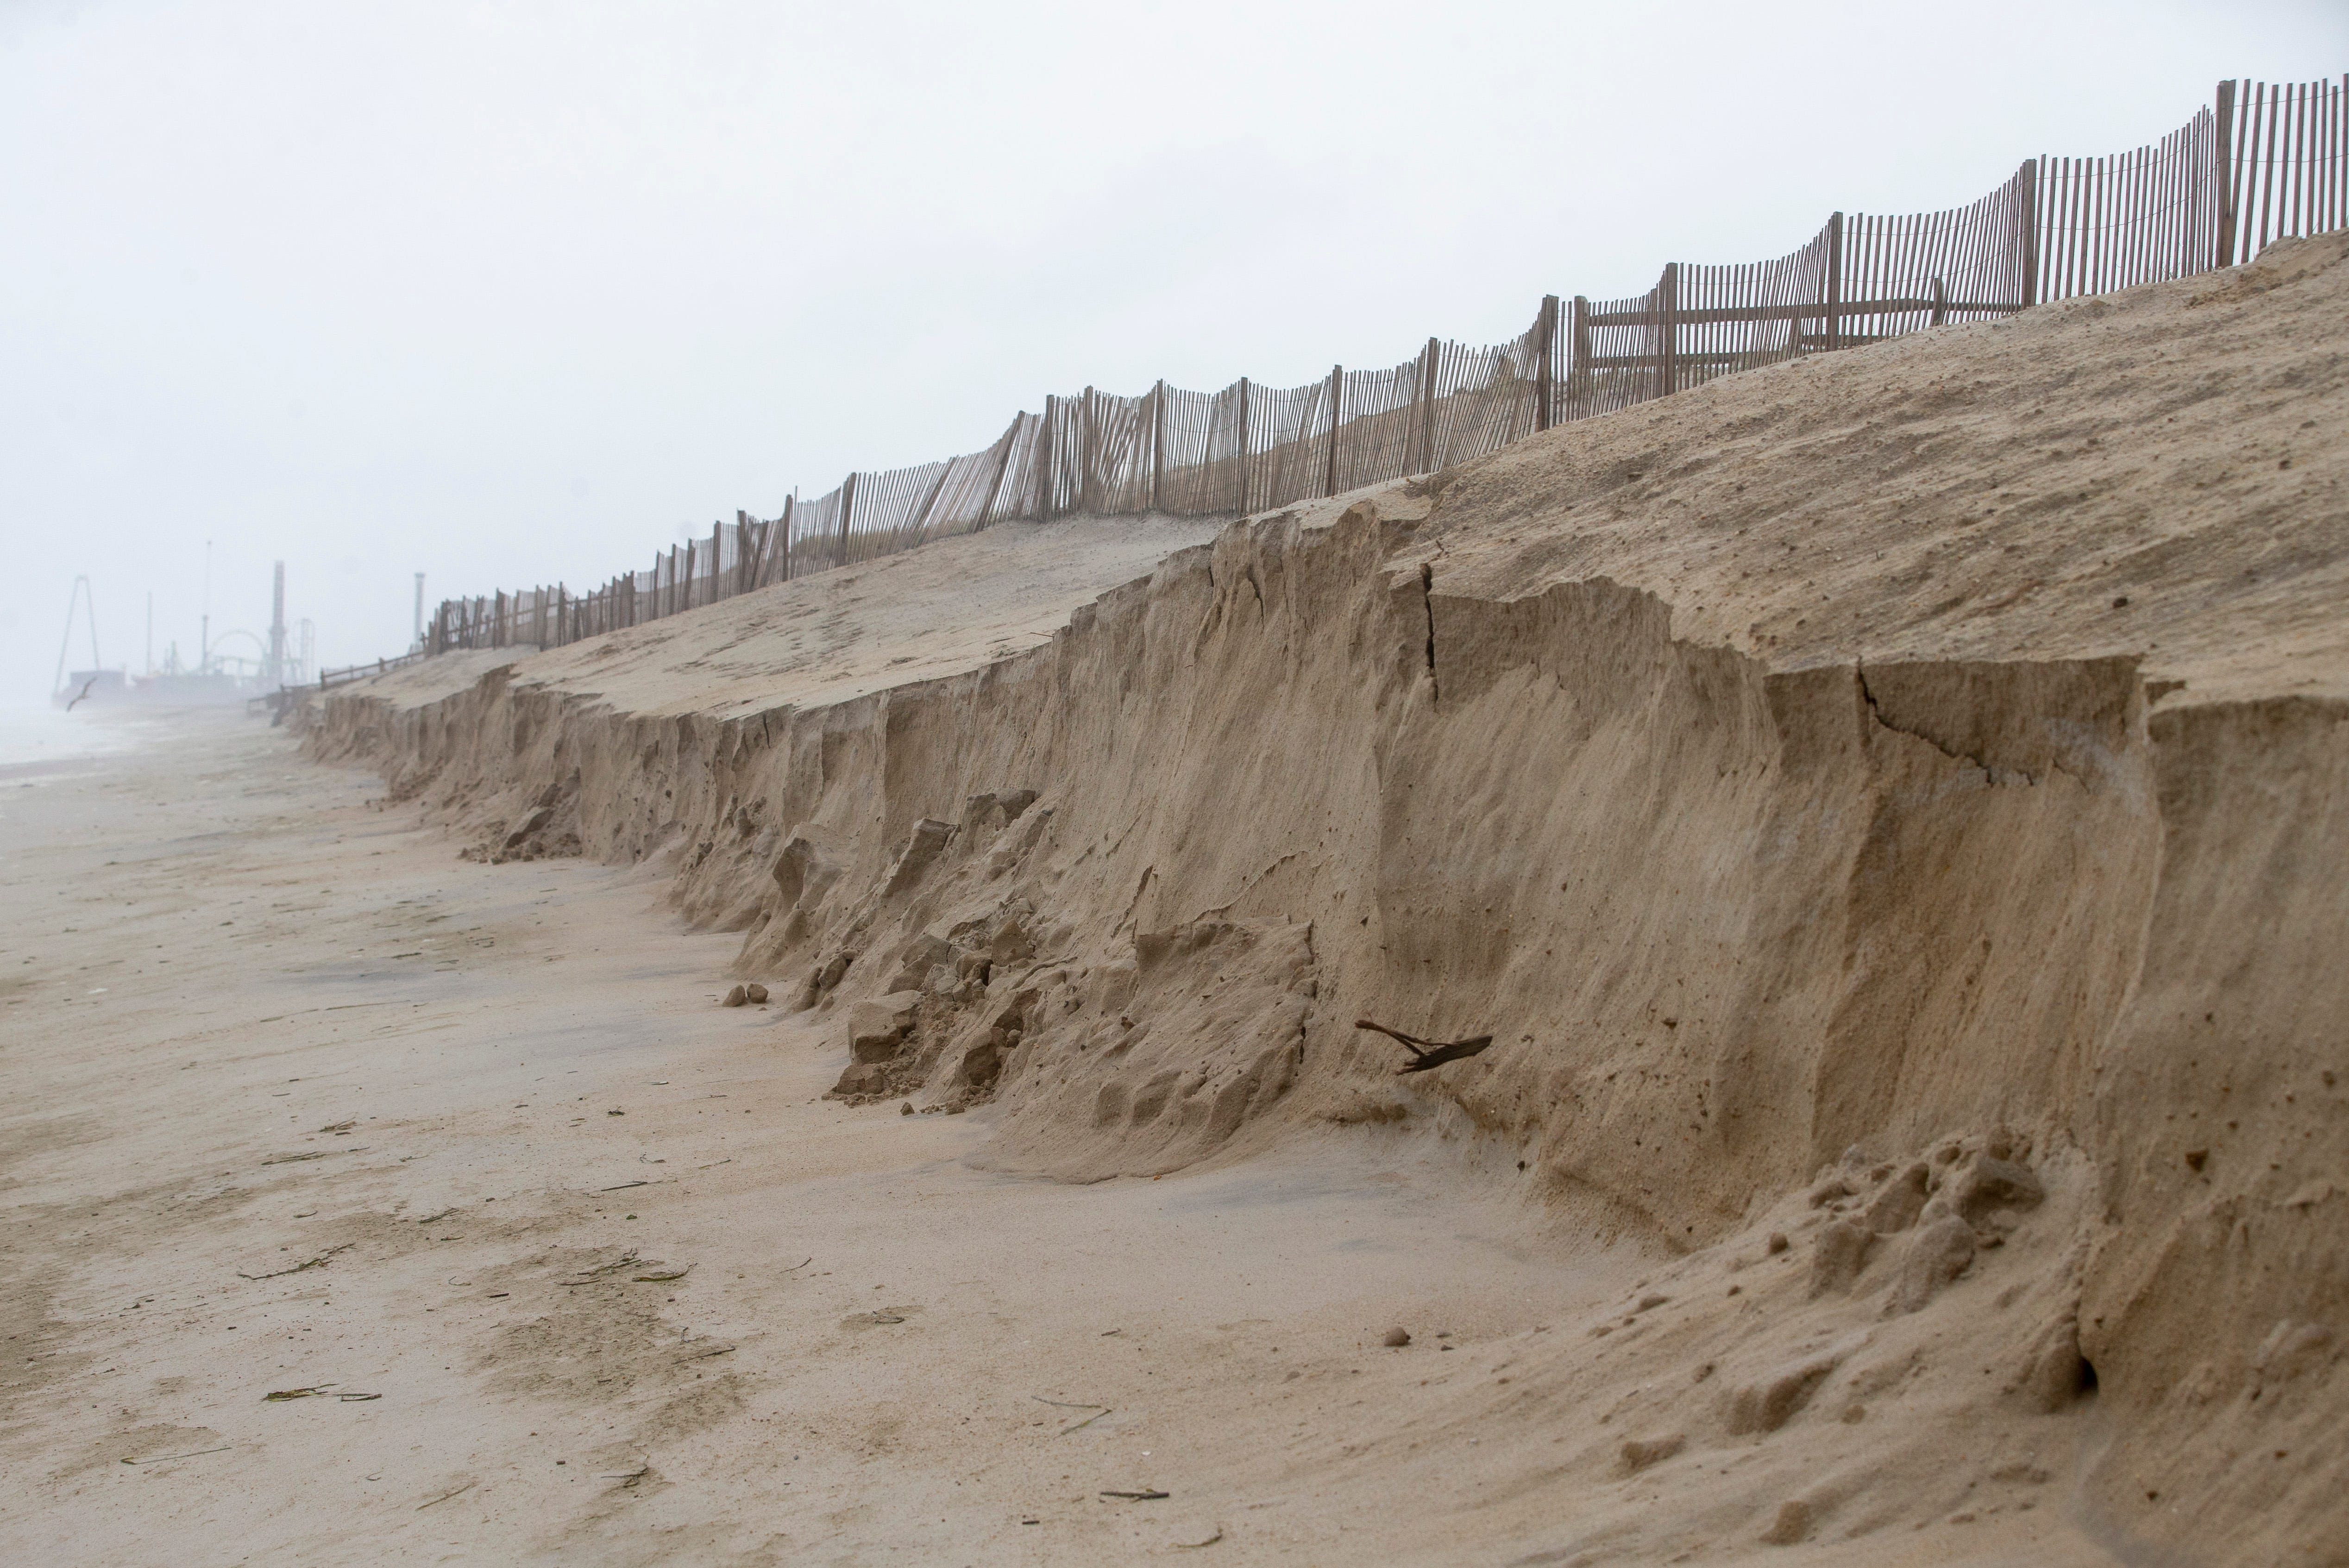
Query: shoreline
{"x": 176, "y": 1138}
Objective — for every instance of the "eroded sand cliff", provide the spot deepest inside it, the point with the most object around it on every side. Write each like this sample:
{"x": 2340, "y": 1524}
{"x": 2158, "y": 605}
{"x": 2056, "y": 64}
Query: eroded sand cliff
{"x": 1891, "y": 813}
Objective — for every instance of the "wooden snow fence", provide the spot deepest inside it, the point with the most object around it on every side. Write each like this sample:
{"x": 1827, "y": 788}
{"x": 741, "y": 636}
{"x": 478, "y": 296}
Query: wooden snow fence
{"x": 2263, "y": 162}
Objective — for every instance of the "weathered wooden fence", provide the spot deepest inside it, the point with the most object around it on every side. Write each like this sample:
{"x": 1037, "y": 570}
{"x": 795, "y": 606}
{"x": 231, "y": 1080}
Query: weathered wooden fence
{"x": 2263, "y": 162}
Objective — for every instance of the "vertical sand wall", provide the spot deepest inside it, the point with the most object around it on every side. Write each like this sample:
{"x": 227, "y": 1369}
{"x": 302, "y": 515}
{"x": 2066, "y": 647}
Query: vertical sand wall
{"x": 1722, "y": 922}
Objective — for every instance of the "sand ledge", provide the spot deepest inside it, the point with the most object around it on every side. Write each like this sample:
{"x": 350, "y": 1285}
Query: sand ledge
{"x": 1820, "y": 863}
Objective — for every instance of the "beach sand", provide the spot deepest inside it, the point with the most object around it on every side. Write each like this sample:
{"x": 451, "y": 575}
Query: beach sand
{"x": 1886, "y": 816}
{"x": 299, "y": 1100}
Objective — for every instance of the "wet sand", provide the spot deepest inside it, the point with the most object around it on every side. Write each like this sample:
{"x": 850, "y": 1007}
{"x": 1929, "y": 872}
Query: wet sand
{"x": 579, "y": 1264}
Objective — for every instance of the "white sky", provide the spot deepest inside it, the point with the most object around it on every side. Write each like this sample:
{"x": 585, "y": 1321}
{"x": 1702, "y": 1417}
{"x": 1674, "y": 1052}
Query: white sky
{"x": 515, "y": 292}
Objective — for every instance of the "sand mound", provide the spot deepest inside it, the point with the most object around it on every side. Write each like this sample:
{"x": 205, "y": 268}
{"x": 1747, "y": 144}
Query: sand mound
{"x": 1898, "y": 801}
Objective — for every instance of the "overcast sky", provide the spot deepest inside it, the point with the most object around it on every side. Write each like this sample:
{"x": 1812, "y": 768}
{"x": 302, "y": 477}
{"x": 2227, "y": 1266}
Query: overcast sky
{"x": 513, "y": 293}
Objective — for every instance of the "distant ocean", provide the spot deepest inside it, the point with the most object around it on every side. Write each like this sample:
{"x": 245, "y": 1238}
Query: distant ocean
{"x": 48, "y": 735}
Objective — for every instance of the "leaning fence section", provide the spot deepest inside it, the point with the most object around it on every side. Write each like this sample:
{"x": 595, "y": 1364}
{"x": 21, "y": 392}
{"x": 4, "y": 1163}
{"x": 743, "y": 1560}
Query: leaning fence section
{"x": 2265, "y": 161}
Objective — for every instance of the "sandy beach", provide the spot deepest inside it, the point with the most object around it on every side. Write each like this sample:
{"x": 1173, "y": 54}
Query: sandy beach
{"x": 1863, "y": 842}
{"x": 1045, "y": 787}
{"x": 581, "y": 1267}
{"x": 372, "y": 1204}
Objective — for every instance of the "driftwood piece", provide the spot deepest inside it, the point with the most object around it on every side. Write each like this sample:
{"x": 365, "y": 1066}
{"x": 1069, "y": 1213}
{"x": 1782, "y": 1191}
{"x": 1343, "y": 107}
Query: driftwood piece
{"x": 1426, "y": 1054}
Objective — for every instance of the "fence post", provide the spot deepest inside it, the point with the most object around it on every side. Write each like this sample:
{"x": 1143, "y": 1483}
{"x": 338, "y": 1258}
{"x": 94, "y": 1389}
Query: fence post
{"x": 847, "y": 513}
{"x": 2225, "y": 173}
{"x": 1089, "y": 456}
{"x": 1046, "y": 466}
{"x": 1546, "y": 370}
{"x": 1157, "y": 439}
{"x": 1337, "y": 412}
{"x": 1010, "y": 438}
{"x": 1578, "y": 359}
{"x": 1428, "y": 359}
{"x": 2030, "y": 174}
{"x": 1834, "y": 283}
{"x": 1668, "y": 328}
{"x": 1244, "y": 445}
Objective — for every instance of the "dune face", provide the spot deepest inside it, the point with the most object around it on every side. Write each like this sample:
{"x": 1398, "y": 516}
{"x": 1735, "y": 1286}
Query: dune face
{"x": 1891, "y": 814}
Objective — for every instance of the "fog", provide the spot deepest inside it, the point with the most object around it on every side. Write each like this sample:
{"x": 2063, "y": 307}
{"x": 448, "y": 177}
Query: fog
{"x": 509, "y": 294}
